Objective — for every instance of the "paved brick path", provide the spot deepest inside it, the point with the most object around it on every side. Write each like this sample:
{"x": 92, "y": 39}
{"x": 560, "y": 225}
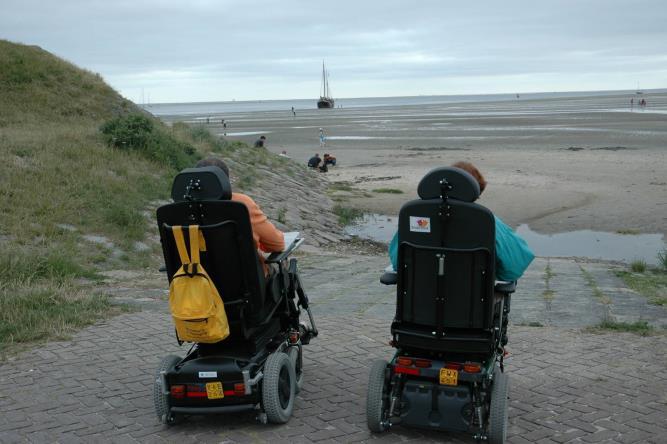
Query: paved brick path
{"x": 566, "y": 386}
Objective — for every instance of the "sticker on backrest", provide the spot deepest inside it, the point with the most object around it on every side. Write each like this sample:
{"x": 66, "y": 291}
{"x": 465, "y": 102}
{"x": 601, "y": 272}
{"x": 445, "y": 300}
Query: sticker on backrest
{"x": 208, "y": 374}
{"x": 420, "y": 224}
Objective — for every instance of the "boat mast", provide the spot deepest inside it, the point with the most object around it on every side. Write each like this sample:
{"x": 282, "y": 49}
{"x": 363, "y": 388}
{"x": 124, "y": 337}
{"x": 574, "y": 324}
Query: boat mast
{"x": 324, "y": 81}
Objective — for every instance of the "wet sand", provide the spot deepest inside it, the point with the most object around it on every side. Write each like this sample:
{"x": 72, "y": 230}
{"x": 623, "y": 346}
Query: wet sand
{"x": 557, "y": 165}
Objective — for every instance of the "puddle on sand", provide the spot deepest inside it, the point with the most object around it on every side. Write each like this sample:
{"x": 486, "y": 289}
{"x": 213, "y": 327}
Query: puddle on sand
{"x": 377, "y": 227}
{"x": 585, "y": 243}
{"x": 595, "y": 245}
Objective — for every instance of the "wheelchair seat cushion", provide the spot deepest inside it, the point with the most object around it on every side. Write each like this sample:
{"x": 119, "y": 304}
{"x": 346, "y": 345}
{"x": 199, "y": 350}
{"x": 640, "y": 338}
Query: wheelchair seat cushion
{"x": 464, "y": 187}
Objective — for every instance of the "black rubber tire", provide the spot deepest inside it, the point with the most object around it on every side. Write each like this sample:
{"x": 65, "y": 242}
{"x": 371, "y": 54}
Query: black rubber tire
{"x": 293, "y": 354}
{"x": 160, "y": 400}
{"x": 376, "y": 405}
{"x": 498, "y": 409}
{"x": 278, "y": 388}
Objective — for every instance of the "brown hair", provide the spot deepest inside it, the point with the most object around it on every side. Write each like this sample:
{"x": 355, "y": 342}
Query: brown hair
{"x": 213, "y": 161}
{"x": 474, "y": 172}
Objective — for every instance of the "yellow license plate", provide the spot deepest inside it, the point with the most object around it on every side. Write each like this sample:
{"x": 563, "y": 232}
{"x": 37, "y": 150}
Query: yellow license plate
{"x": 449, "y": 376}
{"x": 214, "y": 390}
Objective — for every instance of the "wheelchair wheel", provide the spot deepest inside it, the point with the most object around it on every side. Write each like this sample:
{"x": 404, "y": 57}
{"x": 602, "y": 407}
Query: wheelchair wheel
{"x": 377, "y": 408}
{"x": 278, "y": 388}
{"x": 498, "y": 411}
{"x": 293, "y": 354}
{"x": 160, "y": 399}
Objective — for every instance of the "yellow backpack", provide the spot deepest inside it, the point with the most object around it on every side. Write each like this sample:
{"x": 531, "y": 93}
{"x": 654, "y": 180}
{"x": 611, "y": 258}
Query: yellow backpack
{"x": 196, "y": 305}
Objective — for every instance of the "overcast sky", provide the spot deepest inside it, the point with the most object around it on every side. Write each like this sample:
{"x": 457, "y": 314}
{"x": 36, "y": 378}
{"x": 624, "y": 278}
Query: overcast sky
{"x": 205, "y": 50}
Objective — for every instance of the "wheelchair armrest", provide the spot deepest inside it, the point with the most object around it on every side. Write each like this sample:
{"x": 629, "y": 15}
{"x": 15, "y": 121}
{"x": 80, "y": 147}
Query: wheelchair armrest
{"x": 279, "y": 256}
{"x": 389, "y": 278}
{"x": 505, "y": 287}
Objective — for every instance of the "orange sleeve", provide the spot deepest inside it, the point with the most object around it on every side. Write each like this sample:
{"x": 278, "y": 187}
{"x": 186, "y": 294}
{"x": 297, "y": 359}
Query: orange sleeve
{"x": 268, "y": 237}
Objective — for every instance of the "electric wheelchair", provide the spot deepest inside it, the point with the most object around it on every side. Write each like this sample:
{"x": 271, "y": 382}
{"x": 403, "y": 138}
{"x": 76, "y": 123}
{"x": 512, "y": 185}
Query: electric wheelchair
{"x": 450, "y": 326}
{"x": 259, "y": 365}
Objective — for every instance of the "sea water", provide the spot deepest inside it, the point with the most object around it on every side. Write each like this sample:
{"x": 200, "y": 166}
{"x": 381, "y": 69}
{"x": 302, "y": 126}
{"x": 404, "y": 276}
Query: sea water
{"x": 587, "y": 244}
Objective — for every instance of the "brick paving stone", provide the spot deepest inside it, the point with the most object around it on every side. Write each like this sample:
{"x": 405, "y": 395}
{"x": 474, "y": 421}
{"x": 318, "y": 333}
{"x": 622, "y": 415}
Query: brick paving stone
{"x": 566, "y": 385}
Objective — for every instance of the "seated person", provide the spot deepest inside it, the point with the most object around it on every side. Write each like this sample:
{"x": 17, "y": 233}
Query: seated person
{"x": 512, "y": 253}
{"x": 259, "y": 143}
{"x": 314, "y": 162}
{"x": 267, "y": 237}
{"x": 329, "y": 160}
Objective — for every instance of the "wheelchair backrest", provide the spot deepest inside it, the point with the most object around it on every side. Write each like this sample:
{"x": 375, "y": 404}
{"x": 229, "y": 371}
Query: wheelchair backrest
{"x": 230, "y": 258}
{"x": 446, "y": 255}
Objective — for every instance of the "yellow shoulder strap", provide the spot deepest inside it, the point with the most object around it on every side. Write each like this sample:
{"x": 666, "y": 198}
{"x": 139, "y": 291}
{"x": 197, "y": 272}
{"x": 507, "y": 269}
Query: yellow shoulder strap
{"x": 194, "y": 243}
{"x": 180, "y": 244}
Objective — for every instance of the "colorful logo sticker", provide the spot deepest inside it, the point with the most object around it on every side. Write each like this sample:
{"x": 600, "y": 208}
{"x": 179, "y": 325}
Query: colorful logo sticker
{"x": 420, "y": 224}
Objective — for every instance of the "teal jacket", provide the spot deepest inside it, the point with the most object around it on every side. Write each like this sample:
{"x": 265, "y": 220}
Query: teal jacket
{"x": 512, "y": 253}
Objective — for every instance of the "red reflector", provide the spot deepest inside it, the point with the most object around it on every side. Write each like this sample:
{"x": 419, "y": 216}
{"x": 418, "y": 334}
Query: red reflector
{"x": 422, "y": 363}
{"x": 402, "y": 360}
{"x": 196, "y": 394}
{"x": 453, "y": 365}
{"x": 472, "y": 367}
{"x": 177, "y": 391}
{"x": 239, "y": 389}
{"x": 406, "y": 370}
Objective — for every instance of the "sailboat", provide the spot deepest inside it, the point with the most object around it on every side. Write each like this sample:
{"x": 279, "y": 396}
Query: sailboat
{"x": 326, "y": 101}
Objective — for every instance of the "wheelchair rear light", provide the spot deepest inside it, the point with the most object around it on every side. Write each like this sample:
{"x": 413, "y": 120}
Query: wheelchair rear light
{"x": 454, "y": 365}
{"x": 398, "y": 369}
{"x": 402, "y": 360}
{"x": 423, "y": 363}
{"x": 239, "y": 389}
{"x": 177, "y": 391}
{"x": 472, "y": 367}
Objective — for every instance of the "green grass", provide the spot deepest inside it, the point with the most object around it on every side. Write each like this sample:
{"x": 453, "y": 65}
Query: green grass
{"x": 652, "y": 284}
{"x": 628, "y": 231}
{"x": 638, "y": 266}
{"x": 75, "y": 152}
{"x": 388, "y": 191}
{"x": 46, "y": 310}
{"x": 592, "y": 283}
{"x": 641, "y": 328}
{"x": 347, "y": 215}
{"x": 341, "y": 186}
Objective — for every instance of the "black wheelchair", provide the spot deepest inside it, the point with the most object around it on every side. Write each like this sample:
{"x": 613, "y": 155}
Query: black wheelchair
{"x": 259, "y": 365}
{"x": 450, "y": 326}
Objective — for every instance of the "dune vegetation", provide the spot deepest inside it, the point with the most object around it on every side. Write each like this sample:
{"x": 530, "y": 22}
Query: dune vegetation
{"x": 82, "y": 173}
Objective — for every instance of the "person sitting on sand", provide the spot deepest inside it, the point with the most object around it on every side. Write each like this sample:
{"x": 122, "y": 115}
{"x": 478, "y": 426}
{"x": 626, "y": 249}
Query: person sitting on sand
{"x": 314, "y": 162}
{"x": 329, "y": 160}
{"x": 259, "y": 143}
{"x": 283, "y": 153}
{"x": 266, "y": 236}
{"x": 512, "y": 253}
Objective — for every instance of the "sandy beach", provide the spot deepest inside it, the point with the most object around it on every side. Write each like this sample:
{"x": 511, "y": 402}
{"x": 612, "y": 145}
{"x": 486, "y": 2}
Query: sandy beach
{"x": 555, "y": 164}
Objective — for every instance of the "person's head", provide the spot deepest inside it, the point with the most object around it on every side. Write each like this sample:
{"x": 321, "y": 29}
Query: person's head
{"x": 474, "y": 172}
{"x": 263, "y": 137}
{"x": 213, "y": 161}
{"x": 326, "y": 155}
{"x": 283, "y": 152}
{"x": 317, "y": 154}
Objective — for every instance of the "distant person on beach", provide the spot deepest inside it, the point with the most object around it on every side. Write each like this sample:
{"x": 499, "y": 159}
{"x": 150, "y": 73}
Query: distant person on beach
{"x": 314, "y": 162}
{"x": 293, "y": 112}
{"x": 329, "y": 160}
{"x": 323, "y": 138}
{"x": 512, "y": 253}
{"x": 283, "y": 153}
{"x": 632, "y": 103}
{"x": 259, "y": 143}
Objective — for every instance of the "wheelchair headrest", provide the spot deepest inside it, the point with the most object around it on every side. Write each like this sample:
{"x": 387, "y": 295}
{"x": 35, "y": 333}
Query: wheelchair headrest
{"x": 205, "y": 183}
{"x": 463, "y": 186}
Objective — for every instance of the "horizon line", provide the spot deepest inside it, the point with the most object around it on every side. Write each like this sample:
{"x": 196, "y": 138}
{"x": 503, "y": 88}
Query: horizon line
{"x": 620, "y": 91}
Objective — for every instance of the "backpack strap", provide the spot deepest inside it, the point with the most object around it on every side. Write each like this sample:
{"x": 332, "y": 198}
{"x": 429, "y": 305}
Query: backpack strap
{"x": 177, "y": 230}
{"x": 194, "y": 247}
